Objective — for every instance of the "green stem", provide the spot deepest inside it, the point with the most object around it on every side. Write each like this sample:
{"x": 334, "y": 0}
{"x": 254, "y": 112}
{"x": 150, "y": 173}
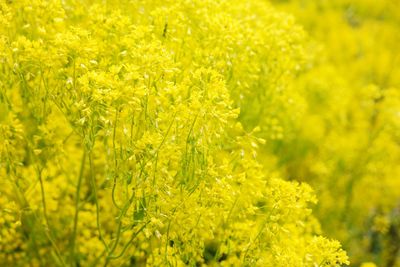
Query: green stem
{"x": 77, "y": 200}
{"x": 115, "y": 161}
{"x": 48, "y": 230}
{"x": 129, "y": 243}
{"x": 96, "y": 200}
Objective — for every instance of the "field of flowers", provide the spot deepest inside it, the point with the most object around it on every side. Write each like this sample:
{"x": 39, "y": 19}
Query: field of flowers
{"x": 199, "y": 133}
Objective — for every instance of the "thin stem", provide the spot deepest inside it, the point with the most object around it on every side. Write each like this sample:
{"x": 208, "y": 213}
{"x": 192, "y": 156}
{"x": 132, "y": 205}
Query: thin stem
{"x": 96, "y": 200}
{"x": 77, "y": 199}
{"x": 48, "y": 230}
{"x": 115, "y": 161}
{"x": 129, "y": 243}
{"x": 119, "y": 219}
{"x": 115, "y": 243}
{"x": 255, "y": 239}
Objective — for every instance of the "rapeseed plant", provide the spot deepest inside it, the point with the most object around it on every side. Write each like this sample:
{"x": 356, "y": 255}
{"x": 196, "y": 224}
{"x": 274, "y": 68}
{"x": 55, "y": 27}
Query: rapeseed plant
{"x": 121, "y": 144}
{"x": 171, "y": 133}
{"x": 346, "y": 144}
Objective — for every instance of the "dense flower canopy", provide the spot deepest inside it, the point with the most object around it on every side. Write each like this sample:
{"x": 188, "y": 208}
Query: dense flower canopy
{"x": 185, "y": 133}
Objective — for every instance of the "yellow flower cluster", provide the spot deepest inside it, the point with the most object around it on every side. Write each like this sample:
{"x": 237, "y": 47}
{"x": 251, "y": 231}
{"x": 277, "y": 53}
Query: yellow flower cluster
{"x": 181, "y": 133}
{"x": 346, "y": 142}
